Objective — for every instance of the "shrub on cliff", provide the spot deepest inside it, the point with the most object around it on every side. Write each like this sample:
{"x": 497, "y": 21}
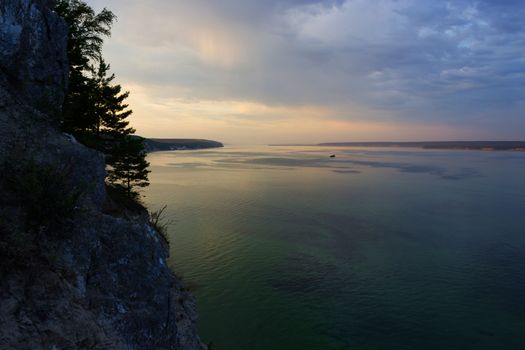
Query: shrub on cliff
{"x": 160, "y": 224}
{"x": 39, "y": 202}
{"x": 46, "y": 194}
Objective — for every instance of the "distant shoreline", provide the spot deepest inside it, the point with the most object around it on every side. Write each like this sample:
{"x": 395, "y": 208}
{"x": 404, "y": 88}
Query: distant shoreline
{"x": 159, "y": 145}
{"x": 451, "y": 145}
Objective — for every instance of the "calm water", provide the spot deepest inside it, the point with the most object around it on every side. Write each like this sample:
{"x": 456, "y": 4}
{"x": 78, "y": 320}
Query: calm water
{"x": 375, "y": 249}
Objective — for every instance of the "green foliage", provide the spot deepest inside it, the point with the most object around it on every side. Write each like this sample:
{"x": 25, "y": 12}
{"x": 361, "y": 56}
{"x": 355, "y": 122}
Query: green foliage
{"x": 111, "y": 111}
{"x": 86, "y": 29}
{"x": 128, "y": 167}
{"x": 119, "y": 204}
{"x": 39, "y": 202}
{"x": 107, "y": 122}
{"x": 46, "y": 194}
{"x": 85, "y": 40}
{"x": 95, "y": 110}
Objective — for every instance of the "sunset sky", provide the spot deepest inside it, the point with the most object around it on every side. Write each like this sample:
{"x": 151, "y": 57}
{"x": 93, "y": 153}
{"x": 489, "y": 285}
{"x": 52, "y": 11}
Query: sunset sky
{"x": 303, "y": 71}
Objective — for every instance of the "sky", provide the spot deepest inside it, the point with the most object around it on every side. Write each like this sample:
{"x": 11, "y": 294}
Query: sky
{"x": 307, "y": 71}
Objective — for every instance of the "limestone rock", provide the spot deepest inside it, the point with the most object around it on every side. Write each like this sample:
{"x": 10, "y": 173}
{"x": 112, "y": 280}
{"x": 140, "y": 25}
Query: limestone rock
{"x": 98, "y": 281}
{"x": 33, "y": 56}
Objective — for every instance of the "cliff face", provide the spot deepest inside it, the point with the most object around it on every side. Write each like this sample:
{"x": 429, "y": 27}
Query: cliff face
{"x": 33, "y": 58}
{"x": 73, "y": 274}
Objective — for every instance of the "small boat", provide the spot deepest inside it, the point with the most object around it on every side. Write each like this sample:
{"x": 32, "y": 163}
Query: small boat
{"x": 332, "y": 156}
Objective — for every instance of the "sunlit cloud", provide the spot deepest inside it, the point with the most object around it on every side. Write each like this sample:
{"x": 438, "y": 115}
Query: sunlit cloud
{"x": 436, "y": 69}
{"x": 254, "y": 123}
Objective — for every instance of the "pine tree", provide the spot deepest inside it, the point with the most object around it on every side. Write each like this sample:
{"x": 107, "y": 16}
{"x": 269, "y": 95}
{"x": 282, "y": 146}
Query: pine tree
{"x": 128, "y": 168}
{"x": 111, "y": 111}
{"x": 94, "y": 109}
{"x": 126, "y": 156}
{"x": 86, "y": 30}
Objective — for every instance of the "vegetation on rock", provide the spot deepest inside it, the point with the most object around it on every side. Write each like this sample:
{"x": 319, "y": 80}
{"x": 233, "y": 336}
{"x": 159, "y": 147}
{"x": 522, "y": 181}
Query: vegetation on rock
{"x": 95, "y": 111}
{"x": 128, "y": 168}
{"x": 72, "y": 275}
{"x": 159, "y": 222}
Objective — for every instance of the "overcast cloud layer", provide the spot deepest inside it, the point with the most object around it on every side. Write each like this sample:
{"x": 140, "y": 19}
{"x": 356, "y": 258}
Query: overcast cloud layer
{"x": 435, "y": 69}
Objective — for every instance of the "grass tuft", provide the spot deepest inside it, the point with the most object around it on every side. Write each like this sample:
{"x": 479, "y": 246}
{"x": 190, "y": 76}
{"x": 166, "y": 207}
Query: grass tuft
{"x": 159, "y": 222}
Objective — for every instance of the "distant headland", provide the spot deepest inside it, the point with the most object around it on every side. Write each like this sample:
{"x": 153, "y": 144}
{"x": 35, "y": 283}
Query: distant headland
{"x": 458, "y": 145}
{"x": 155, "y": 145}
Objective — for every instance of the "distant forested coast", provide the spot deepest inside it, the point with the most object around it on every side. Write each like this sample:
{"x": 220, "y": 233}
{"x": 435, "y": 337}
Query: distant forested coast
{"x": 460, "y": 145}
{"x": 155, "y": 145}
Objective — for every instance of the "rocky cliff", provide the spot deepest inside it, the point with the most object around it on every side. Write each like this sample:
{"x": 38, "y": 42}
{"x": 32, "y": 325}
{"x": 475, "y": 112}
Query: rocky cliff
{"x": 77, "y": 269}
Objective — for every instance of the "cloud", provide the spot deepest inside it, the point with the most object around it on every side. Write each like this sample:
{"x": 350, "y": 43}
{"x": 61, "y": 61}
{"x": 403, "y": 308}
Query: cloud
{"x": 454, "y": 63}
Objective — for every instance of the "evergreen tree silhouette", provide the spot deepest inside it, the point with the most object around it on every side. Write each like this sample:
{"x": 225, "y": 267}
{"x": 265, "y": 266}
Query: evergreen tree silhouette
{"x": 94, "y": 109}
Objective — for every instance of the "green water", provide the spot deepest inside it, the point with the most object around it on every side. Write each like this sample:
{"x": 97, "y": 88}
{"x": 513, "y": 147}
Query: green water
{"x": 374, "y": 249}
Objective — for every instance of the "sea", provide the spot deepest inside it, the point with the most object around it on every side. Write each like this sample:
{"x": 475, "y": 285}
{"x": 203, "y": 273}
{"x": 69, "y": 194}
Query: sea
{"x": 286, "y": 247}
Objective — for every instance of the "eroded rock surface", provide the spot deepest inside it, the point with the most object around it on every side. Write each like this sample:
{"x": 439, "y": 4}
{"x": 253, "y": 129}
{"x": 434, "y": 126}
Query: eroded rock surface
{"x": 33, "y": 58}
